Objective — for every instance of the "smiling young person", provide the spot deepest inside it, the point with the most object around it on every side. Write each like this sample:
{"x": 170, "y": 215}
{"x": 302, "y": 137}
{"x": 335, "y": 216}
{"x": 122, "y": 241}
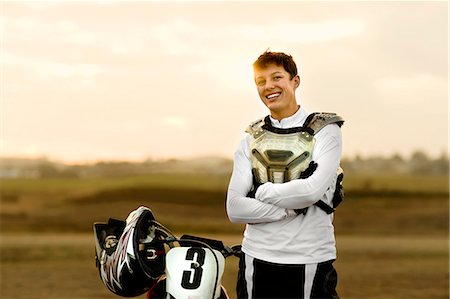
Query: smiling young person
{"x": 284, "y": 187}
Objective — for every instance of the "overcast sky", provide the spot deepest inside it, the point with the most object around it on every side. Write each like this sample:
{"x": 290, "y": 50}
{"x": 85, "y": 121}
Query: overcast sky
{"x": 82, "y": 81}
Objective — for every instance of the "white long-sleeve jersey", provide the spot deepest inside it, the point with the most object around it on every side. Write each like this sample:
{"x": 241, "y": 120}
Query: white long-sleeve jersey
{"x": 274, "y": 232}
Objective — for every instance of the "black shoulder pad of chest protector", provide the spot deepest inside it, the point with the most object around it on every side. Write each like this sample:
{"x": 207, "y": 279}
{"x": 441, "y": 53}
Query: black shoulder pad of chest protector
{"x": 318, "y": 120}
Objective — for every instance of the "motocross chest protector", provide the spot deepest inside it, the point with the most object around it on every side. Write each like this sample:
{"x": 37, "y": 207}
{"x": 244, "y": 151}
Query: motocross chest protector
{"x": 281, "y": 155}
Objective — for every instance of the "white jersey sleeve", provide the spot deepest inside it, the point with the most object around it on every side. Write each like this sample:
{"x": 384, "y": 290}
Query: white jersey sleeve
{"x": 302, "y": 193}
{"x": 243, "y": 209}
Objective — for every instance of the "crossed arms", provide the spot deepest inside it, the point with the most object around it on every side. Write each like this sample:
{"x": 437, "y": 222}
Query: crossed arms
{"x": 275, "y": 202}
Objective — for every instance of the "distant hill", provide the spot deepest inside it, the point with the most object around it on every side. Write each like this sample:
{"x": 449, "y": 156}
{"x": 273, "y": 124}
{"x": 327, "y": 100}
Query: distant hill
{"x": 13, "y": 167}
{"x": 38, "y": 168}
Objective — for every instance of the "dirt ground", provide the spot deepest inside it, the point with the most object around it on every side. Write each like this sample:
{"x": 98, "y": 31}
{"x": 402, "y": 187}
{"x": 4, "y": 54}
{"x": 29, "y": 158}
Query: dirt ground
{"x": 390, "y": 244}
{"x": 59, "y": 266}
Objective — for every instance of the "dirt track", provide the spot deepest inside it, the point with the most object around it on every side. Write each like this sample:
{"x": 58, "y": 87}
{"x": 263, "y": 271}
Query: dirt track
{"x": 62, "y": 266}
{"x": 389, "y": 245}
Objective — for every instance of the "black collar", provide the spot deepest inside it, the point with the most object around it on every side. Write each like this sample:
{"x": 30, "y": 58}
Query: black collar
{"x": 269, "y": 127}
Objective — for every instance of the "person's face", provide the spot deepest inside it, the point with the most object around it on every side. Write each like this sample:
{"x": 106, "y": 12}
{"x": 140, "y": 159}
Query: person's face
{"x": 277, "y": 90}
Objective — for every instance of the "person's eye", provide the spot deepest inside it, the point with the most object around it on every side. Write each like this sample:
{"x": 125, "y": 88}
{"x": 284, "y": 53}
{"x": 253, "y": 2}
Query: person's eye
{"x": 276, "y": 78}
{"x": 260, "y": 83}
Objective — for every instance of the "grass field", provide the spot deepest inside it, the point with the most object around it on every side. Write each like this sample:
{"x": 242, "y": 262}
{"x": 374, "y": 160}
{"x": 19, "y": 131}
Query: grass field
{"x": 392, "y": 239}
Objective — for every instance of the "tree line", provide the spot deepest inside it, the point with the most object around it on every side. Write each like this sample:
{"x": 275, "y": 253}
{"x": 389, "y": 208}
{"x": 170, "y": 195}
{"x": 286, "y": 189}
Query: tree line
{"x": 418, "y": 163}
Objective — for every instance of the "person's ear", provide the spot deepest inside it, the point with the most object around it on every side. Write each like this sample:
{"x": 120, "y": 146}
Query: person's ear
{"x": 296, "y": 81}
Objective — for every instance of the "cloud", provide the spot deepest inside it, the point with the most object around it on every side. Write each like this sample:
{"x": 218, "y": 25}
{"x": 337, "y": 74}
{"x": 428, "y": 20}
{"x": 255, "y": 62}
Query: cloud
{"x": 3, "y": 144}
{"x": 7, "y": 148}
{"x": 414, "y": 88}
{"x": 177, "y": 35}
{"x": 304, "y": 32}
{"x": 171, "y": 59}
{"x": 173, "y": 121}
{"x": 50, "y": 68}
{"x": 186, "y": 37}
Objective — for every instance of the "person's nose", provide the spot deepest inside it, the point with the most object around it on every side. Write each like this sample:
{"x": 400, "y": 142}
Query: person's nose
{"x": 269, "y": 85}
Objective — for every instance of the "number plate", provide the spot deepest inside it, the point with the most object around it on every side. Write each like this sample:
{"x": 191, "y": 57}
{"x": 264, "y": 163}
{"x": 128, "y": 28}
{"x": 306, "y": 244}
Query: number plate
{"x": 192, "y": 272}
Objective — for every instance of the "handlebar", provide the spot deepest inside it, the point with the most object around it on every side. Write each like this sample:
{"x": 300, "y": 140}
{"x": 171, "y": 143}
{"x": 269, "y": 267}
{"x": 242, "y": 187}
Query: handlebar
{"x": 195, "y": 241}
{"x": 188, "y": 240}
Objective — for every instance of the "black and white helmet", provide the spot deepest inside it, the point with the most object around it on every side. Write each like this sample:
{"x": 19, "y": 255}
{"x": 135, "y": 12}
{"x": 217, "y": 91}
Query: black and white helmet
{"x": 130, "y": 254}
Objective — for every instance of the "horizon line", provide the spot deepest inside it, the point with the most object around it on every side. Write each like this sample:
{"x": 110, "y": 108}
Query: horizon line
{"x": 66, "y": 161}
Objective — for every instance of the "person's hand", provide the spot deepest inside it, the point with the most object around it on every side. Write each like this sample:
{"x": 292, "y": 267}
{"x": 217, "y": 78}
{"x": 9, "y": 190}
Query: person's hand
{"x": 301, "y": 211}
{"x": 253, "y": 191}
{"x": 308, "y": 171}
{"x": 338, "y": 195}
{"x": 258, "y": 189}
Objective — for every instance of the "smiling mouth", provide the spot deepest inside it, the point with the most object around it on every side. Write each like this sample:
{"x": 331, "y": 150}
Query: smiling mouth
{"x": 273, "y": 96}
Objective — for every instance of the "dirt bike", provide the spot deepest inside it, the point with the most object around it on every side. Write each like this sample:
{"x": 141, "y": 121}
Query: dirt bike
{"x": 141, "y": 255}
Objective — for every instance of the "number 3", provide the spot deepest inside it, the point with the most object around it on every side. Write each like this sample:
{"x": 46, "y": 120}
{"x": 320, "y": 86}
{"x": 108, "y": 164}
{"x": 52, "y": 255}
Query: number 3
{"x": 194, "y": 283}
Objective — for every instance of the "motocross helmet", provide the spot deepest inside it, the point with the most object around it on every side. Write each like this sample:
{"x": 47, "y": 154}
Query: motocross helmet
{"x": 130, "y": 255}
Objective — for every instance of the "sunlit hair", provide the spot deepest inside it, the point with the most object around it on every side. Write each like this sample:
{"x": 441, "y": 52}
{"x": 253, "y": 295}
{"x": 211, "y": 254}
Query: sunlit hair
{"x": 277, "y": 58}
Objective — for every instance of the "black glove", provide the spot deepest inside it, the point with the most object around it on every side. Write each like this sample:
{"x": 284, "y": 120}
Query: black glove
{"x": 338, "y": 195}
{"x": 253, "y": 191}
{"x": 256, "y": 184}
{"x": 301, "y": 211}
{"x": 308, "y": 171}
